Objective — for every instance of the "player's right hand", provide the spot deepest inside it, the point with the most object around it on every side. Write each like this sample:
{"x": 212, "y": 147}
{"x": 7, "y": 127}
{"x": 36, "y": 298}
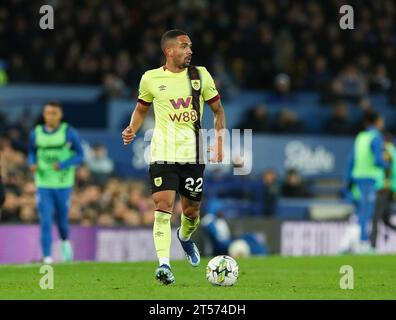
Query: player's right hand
{"x": 128, "y": 135}
{"x": 33, "y": 168}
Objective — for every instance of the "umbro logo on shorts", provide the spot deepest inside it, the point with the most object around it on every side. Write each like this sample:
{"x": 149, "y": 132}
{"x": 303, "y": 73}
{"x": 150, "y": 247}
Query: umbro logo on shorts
{"x": 162, "y": 87}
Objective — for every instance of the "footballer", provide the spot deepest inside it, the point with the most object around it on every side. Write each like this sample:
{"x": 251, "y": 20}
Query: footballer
{"x": 177, "y": 91}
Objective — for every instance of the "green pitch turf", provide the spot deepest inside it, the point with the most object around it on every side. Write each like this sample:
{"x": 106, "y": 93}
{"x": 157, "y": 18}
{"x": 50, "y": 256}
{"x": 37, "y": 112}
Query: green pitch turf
{"x": 260, "y": 278}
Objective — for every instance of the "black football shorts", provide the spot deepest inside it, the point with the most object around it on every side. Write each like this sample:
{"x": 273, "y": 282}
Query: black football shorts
{"x": 186, "y": 179}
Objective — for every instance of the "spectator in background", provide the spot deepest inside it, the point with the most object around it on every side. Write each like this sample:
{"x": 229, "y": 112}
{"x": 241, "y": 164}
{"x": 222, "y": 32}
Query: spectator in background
{"x": 339, "y": 122}
{"x": 365, "y": 105}
{"x": 319, "y": 77}
{"x": 256, "y": 119}
{"x": 282, "y": 90}
{"x": 19, "y": 72}
{"x": 83, "y": 176}
{"x": 28, "y": 211}
{"x": 350, "y": 84}
{"x": 380, "y": 81}
{"x": 271, "y": 191}
{"x": 11, "y": 207}
{"x": 223, "y": 80}
{"x": 18, "y": 139}
{"x": 99, "y": 163}
{"x": 113, "y": 87}
{"x": 293, "y": 186}
{"x": 287, "y": 122}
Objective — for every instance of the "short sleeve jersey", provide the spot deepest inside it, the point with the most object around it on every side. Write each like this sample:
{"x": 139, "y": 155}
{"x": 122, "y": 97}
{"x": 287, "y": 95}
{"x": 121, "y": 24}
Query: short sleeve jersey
{"x": 174, "y": 136}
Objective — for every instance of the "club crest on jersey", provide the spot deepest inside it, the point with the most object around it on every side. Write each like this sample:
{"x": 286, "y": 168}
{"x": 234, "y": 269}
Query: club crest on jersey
{"x": 196, "y": 84}
{"x": 158, "y": 181}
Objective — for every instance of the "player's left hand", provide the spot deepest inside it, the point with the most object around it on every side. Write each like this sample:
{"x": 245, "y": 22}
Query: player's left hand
{"x": 57, "y": 166}
{"x": 216, "y": 153}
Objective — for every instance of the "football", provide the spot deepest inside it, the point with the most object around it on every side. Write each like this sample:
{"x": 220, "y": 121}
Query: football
{"x": 222, "y": 271}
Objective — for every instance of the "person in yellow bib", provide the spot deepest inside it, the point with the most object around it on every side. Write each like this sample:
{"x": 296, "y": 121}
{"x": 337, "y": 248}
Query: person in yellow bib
{"x": 177, "y": 91}
{"x": 366, "y": 166}
{"x": 54, "y": 153}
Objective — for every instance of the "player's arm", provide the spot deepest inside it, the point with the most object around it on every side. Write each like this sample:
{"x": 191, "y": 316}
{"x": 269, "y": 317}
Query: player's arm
{"x": 212, "y": 98}
{"x": 145, "y": 99}
{"x": 137, "y": 118}
{"x": 32, "y": 152}
{"x": 78, "y": 157}
{"x": 377, "y": 147}
{"x": 219, "y": 125}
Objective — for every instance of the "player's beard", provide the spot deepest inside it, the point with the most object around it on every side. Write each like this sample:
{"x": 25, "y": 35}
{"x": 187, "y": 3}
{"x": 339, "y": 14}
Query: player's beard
{"x": 186, "y": 62}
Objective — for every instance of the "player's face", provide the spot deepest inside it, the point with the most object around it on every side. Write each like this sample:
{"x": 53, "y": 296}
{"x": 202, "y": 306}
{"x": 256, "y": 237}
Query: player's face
{"x": 182, "y": 51}
{"x": 52, "y": 116}
{"x": 380, "y": 124}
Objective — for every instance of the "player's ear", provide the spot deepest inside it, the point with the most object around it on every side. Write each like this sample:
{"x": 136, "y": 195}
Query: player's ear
{"x": 169, "y": 51}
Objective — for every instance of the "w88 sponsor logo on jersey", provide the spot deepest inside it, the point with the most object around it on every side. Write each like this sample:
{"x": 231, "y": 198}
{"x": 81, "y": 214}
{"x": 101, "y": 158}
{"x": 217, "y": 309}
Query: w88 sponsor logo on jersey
{"x": 185, "y": 116}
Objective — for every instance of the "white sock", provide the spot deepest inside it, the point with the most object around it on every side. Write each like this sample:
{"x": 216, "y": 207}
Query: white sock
{"x": 47, "y": 260}
{"x": 164, "y": 260}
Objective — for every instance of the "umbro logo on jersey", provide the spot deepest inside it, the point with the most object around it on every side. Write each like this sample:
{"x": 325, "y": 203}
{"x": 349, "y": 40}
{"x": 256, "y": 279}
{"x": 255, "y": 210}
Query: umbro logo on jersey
{"x": 162, "y": 87}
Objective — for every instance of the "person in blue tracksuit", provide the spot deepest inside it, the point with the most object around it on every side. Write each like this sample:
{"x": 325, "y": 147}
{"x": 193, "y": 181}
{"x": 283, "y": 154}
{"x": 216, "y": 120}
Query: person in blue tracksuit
{"x": 54, "y": 152}
{"x": 218, "y": 231}
{"x": 366, "y": 165}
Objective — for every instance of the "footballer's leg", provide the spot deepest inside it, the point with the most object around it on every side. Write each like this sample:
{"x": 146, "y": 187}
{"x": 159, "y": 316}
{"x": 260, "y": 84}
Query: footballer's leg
{"x": 189, "y": 223}
{"x": 62, "y": 212}
{"x": 164, "y": 183}
{"x": 190, "y": 194}
{"x": 162, "y": 234}
{"x": 46, "y": 208}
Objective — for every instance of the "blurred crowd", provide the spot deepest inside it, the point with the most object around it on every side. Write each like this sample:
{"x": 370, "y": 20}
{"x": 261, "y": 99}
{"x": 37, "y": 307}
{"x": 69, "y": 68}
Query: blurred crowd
{"x": 339, "y": 121}
{"x": 245, "y": 44}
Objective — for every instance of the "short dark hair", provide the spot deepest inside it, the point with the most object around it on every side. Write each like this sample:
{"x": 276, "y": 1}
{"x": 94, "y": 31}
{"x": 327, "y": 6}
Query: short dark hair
{"x": 370, "y": 117}
{"x": 171, "y": 34}
{"x": 53, "y": 104}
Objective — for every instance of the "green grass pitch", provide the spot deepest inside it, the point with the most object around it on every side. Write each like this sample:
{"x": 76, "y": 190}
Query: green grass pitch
{"x": 260, "y": 278}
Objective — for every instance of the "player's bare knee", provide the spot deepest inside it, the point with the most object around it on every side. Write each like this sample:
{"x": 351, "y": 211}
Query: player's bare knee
{"x": 164, "y": 205}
